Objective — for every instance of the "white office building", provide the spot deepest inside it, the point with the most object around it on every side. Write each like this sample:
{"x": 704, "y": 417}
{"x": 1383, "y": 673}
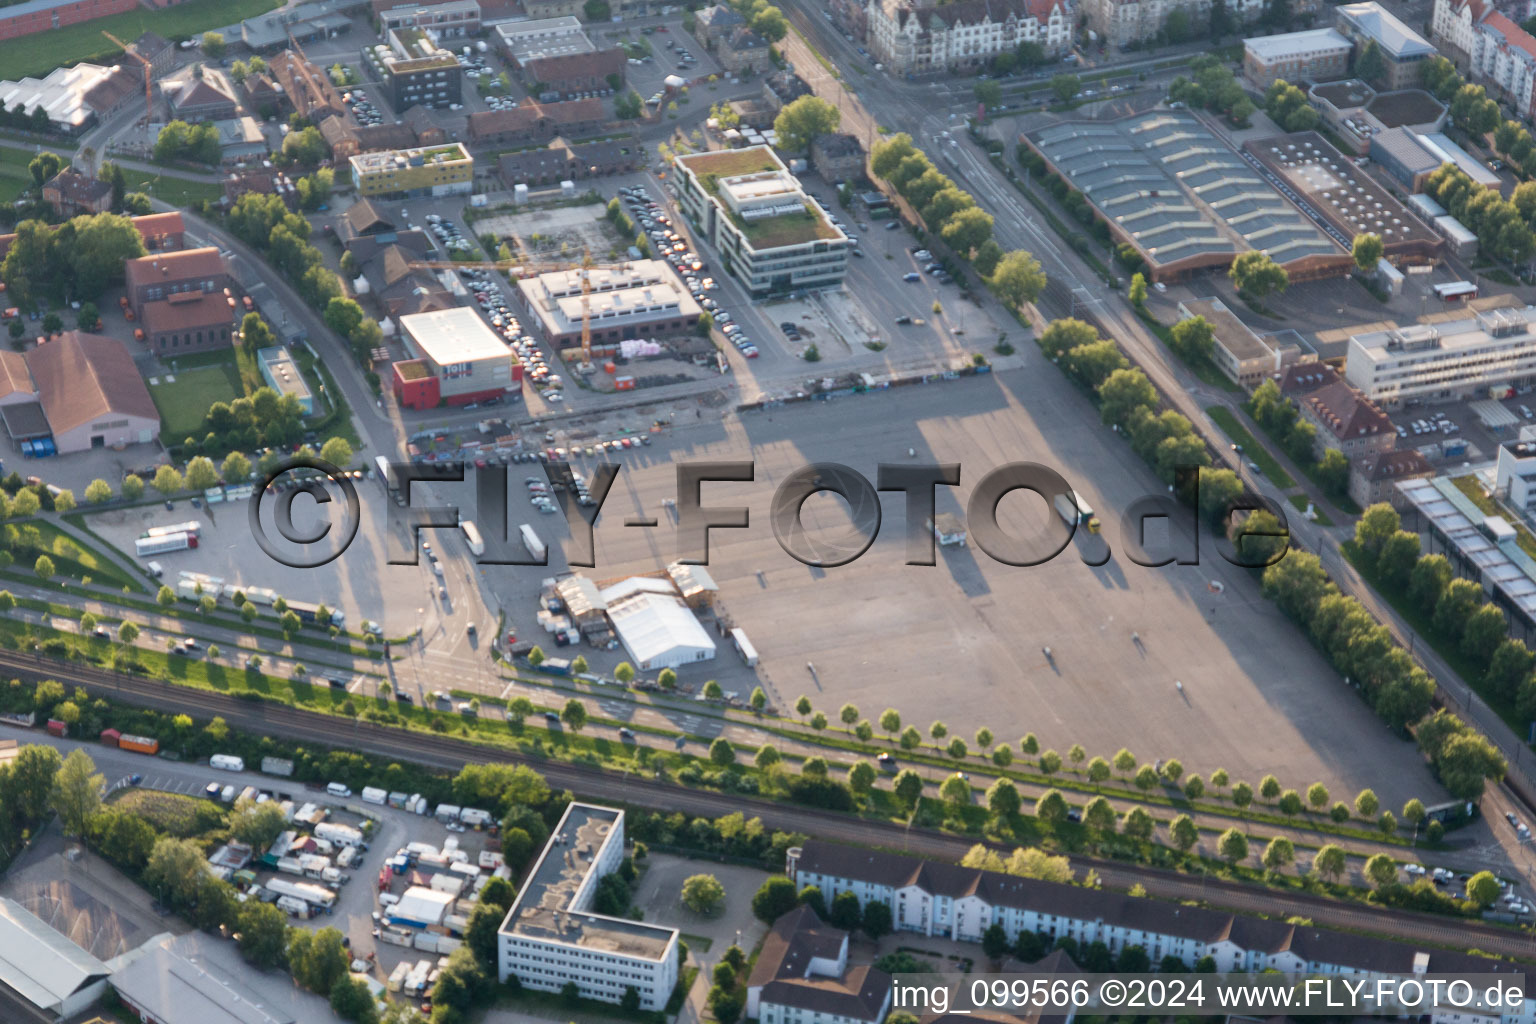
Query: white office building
{"x": 1444, "y": 361}
{"x": 550, "y": 938}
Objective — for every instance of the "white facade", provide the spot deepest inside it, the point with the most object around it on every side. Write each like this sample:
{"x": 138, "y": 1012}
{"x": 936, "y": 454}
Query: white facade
{"x": 920, "y": 39}
{"x": 550, "y": 937}
{"x": 1515, "y": 476}
{"x": 1444, "y": 361}
{"x": 1496, "y": 52}
{"x": 1128, "y": 21}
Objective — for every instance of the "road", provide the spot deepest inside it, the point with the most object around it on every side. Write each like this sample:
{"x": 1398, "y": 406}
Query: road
{"x": 449, "y": 755}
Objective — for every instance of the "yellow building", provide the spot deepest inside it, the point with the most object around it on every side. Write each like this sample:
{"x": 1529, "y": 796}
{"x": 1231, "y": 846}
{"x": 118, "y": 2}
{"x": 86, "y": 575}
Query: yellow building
{"x": 432, "y": 170}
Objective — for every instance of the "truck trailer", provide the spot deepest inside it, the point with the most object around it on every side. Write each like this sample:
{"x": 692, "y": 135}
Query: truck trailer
{"x": 144, "y": 547}
{"x": 532, "y": 542}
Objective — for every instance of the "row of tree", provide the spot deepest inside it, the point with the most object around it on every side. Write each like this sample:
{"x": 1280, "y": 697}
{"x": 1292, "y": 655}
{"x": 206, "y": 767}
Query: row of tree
{"x": 1287, "y": 106}
{"x": 265, "y": 224}
{"x": 75, "y": 261}
{"x": 1213, "y": 87}
{"x": 1280, "y": 417}
{"x": 1471, "y": 108}
{"x": 1503, "y": 226}
{"x": 948, "y": 212}
{"x": 1513, "y": 140}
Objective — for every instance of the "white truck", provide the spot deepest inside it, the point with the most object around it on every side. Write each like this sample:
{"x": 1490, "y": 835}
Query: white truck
{"x": 293, "y": 906}
{"x": 341, "y": 835}
{"x": 532, "y": 542}
{"x": 1075, "y": 512}
{"x": 290, "y": 866}
{"x": 227, "y": 762}
{"x": 146, "y": 546}
{"x": 431, "y": 942}
{"x": 315, "y": 895}
{"x": 472, "y": 537}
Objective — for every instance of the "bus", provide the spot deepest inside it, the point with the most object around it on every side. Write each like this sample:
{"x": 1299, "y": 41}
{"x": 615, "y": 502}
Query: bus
{"x": 472, "y": 537}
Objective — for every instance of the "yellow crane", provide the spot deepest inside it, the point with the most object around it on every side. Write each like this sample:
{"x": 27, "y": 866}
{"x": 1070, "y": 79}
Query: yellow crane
{"x": 132, "y": 49}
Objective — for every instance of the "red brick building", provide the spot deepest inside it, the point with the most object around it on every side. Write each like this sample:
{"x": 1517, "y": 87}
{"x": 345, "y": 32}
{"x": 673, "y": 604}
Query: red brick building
{"x": 42, "y": 15}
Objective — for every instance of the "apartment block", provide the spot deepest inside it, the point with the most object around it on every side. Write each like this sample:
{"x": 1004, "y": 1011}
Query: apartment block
{"x": 914, "y": 37}
{"x": 436, "y": 170}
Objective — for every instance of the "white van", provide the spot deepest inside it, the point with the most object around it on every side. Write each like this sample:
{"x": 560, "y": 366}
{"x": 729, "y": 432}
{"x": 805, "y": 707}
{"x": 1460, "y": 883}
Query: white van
{"x": 388, "y": 899}
{"x": 227, "y": 762}
{"x": 337, "y": 789}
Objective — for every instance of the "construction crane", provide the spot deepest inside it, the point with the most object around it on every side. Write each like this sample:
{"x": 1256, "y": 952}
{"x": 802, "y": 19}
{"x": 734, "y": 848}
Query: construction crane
{"x": 537, "y": 266}
{"x": 132, "y": 49}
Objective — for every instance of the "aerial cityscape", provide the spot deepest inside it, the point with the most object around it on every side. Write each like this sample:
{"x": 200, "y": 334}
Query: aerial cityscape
{"x": 841, "y": 512}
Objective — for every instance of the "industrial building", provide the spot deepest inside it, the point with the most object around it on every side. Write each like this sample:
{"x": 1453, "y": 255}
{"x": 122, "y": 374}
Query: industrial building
{"x": 1183, "y": 198}
{"x": 802, "y": 974}
{"x": 550, "y": 937}
{"x": 78, "y": 392}
{"x": 1403, "y": 49}
{"x": 198, "y": 979}
{"x": 1244, "y": 356}
{"x": 183, "y": 300}
{"x": 434, "y": 170}
{"x": 282, "y": 375}
{"x": 1411, "y": 157}
{"x": 1444, "y": 361}
{"x": 639, "y": 299}
{"x": 416, "y": 71}
{"x": 74, "y": 98}
{"x": 768, "y": 232}
{"x": 1316, "y": 55}
{"x": 455, "y": 359}
{"x": 450, "y": 19}
{"x": 1357, "y": 113}
{"x": 43, "y": 968}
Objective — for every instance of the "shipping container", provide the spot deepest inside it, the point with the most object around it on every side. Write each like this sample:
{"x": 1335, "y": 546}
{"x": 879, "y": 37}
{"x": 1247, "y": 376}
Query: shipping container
{"x": 109, "y": 737}
{"x": 277, "y": 766}
{"x": 448, "y": 812}
{"x": 58, "y": 728}
{"x": 140, "y": 744}
{"x": 192, "y": 527}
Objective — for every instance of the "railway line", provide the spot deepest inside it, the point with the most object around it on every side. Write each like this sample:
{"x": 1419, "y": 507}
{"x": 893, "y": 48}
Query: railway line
{"x": 449, "y": 754}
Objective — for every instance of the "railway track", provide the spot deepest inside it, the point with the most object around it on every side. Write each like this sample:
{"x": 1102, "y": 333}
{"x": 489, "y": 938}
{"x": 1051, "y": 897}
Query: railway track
{"x": 448, "y": 754}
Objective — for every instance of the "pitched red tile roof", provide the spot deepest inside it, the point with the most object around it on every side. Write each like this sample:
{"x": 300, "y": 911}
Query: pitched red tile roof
{"x": 81, "y": 377}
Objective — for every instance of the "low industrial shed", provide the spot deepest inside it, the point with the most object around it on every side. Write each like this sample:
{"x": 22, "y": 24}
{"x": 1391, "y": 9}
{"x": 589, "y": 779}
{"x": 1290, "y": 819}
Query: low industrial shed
{"x": 43, "y": 967}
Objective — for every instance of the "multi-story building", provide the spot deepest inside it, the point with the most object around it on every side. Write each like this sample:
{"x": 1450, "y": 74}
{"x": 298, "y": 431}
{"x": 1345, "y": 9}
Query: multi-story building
{"x": 1317, "y": 55}
{"x": 769, "y": 233}
{"x": 944, "y": 900}
{"x": 447, "y": 19}
{"x": 533, "y": 122}
{"x": 71, "y": 193}
{"x": 1123, "y": 22}
{"x": 1444, "y": 361}
{"x": 713, "y": 24}
{"x": 551, "y": 937}
{"x": 639, "y": 299}
{"x": 417, "y": 71}
{"x": 1374, "y": 477}
{"x": 838, "y": 156}
{"x": 564, "y": 76}
{"x": 802, "y": 977}
{"x": 915, "y": 37}
{"x": 455, "y": 359}
{"x": 1345, "y": 419}
{"x": 1493, "y": 49}
{"x": 434, "y": 170}
{"x": 743, "y": 52}
{"x": 1245, "y": 357}
{"x": 1403, "y": 49}
{"x": 183, "y": 300}
{"x": 201, "y": 94}
{"x": 307, "y": 87}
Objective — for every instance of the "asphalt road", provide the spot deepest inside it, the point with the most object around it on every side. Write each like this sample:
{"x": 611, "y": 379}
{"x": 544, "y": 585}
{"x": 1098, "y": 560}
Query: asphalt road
{"x": 448, "y": 755}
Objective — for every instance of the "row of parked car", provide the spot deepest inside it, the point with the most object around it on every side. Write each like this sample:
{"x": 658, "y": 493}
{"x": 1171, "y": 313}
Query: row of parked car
{"x": 491, "y": 299}
{"x": 449, "y": 234}
{"x": 362, "y": 108}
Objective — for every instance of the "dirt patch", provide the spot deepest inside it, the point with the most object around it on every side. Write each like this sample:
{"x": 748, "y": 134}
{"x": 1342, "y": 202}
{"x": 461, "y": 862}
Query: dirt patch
{"x": 555, "y": 233}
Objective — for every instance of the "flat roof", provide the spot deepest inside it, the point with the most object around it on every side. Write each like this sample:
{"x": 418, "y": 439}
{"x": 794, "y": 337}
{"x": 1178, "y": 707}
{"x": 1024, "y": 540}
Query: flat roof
{"x": 1290, "y": 44}
{"x": 1178, "y": 190}
{"x": 278, "y": 364}
{"x": 546, "y": 37}
{"x": 1328, "y": 186}
{"x": 1448, "y": 338}
{"x": 637, "y": 292}
{"x": 1396, "y": 39}
{"x": 543, "y": 910}
{"x": 61, "y": 92}
{"x": 392, "y": 159}
{"x": 1502, "y": 565}
{"x": 1345, "y": 95}
{"x": 1405, "y": 107}
{"x": 458, "y": 335}
{"x": 1234, "y": 335}
{"x": 1439, "y": 144}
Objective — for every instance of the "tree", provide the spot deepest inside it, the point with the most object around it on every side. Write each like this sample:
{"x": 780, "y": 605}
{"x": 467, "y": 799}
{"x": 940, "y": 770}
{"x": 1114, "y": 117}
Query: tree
{"x": 1371, "y": 66}
{"x": 721, "y": 753}
{"x": 127, "y": 633}
{"x": 1269, "y": 788}
{"x": 703, "y": 894}
{"x": 174, "y": 869}
{"x": 1483, "y": 888}
{"x": 957, "y": 749}
{"x": 45, "y": 166}
{"x": 317, "y": 960}
{"x": 861, "y": 776}
{"x": 1381, "y": 870}
{"x": 574, "y": 715}
{"x": 352, "y": 1000}
{"x": 911, "y": 739}
{"x": 1428, "y": 580}
{"x": 1366, "y": 804}
{"x": 1192, "y": 338}
{"x": 771, "y": 24}
{"x": 1066, "y": 87}
{"x": 1256, "y": 275}
{"x": 77, "y": 792}
{"x": 774, "y": 898}
{"x": 1066, "y": 335}
{"x": 1289, "y": 803}
{"x": 759, "y": 700}
{"x": 890, "y": 723}
{"x": 1099, "y": 816}
{"x": 1122, "y": 392}
{"x": 818, "y": 721}
{"x": 263, "y": 930}
{"x": 213, "y": 44}
{"x": 337, "y": 451}
{"x": 1138, "y": 824}
{"x": 167, "y": 480}
{"x": 1232, "y": 846}
{"x": 1138, "y": 291}
{"x": 257, "y": 824}
{"x": 766, "y": 757}
{"x": 803, "y": 705}
{"x": 955, "y": 790}
{"x": 967, "y": 230}
{"x": 1330, "y": 862}
{"x": 800, "y": 123}
{"x": 1279, "y": 854}
{"x": 1098, "y": 771}
{"x": 1368, "y": 248}
{"x": 200, "y": 474}
{"x": 1317, "y": 796}
{"x": 938, "y": 730}
{"x": 1124, "y": 762}
{"x": 1003, "y": 799}
{"x": 1184, "y": 833}
{"x": 1461, "y": 599}
{"x": 44, "y": 568}
{"x": 1018, "y": 279}
{"x": 1242, "y": 795}
{"x": 98, "y": 491}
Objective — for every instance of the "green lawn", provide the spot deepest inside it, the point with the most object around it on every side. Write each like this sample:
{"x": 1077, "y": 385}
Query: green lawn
{"x": 76, "y": 561}
{"x": 1252, "y": 449}
{"x": 172, "y": 189}
{"x": 183, "y": 404}
{"x": 14, "y": 176}
{"x": 36, "y": 55}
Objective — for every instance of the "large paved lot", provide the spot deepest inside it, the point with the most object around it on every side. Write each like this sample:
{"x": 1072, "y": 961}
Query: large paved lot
{"x": 962, "y": 641}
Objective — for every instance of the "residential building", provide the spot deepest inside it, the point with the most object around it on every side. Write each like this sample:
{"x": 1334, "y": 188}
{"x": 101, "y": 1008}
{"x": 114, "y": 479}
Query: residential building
{"x": 638, "y": 299}
{"x": 743, "y": 52}
{"x": 768, "y": 233}
{"x": 944, "y": 900}
{"x": 1403, "y": 49}
{"x": 448, "y": 19}
{"x": 713, "y": 24}
{"x": 456, "y": 359}
{"x": 201, "y": 94}
{"x": 307, "y": 87}
{"x": 1317, "y": 55}
{"x": 34, "y": 16}
{"x": 551, "y": 937}
{"x": 1347, "y": 420}
{"x": 1444, "y": 361}
{"x": 782, "y": 88}
{"x": 74, "y": 98}
{"x": 917, "y": 37}
{"x": 1123, "y": 22}
{"x": 1245, "y": 357}
{"x": 437, "y": 171}
{"x": 417, "y": 71}
{"x": 1374, "y": 477}
{"x": 86, "y": 393}
{"x": 71, "y": 193}
{"x": 537, "y": 122}
{"x": 282, "y": 376}
{"x": 565, "y": 75}
{"x": 838, "y": 156}
{"x": 1503, "y": 60}
{"x": 802, "y": 975}
{"x": 182, "y": 300}
{"x": 566, "y": 161}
